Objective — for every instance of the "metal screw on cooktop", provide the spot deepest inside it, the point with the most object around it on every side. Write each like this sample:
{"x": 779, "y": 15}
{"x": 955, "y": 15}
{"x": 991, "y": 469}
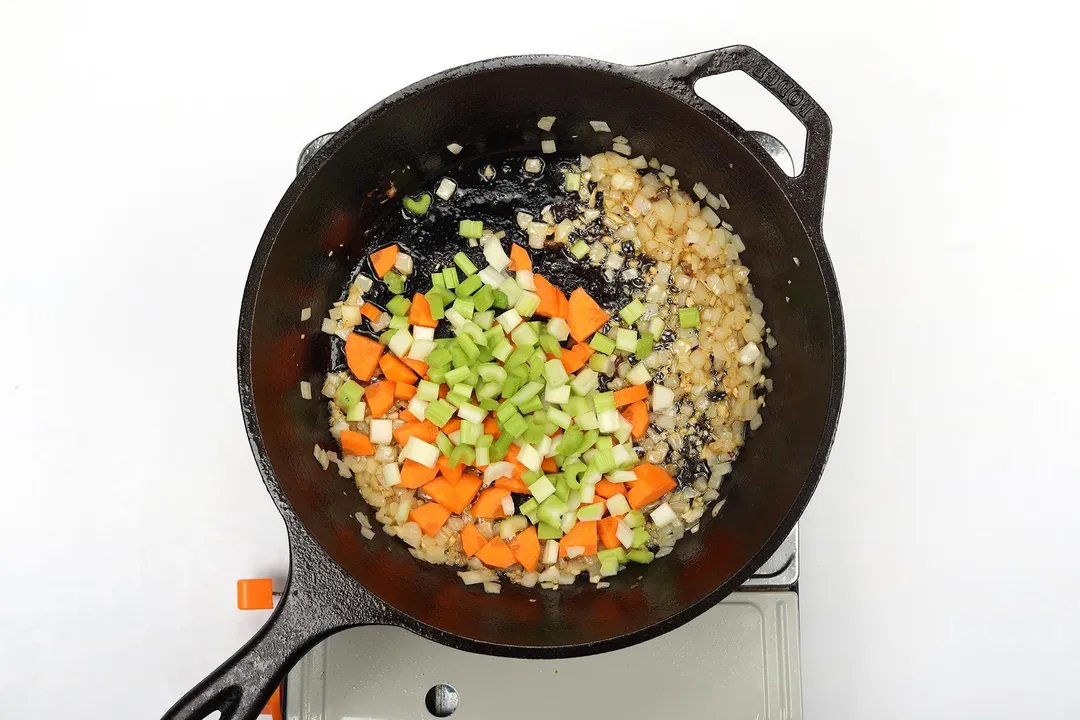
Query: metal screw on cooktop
{"x": 441, "y": 700}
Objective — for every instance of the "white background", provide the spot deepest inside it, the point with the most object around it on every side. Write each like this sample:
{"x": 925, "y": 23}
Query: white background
{"x": 144, "y": 145}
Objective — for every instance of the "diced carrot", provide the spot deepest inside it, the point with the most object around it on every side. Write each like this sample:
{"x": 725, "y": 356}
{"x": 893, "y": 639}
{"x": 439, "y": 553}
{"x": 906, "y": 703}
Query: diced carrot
{"x": 581, "y": 535}
{"x": 526, "y": 547}
{"x": 444, "y": 390}
{"x": 513, "y": 483}
{"x": 637, "y": 414}
{"x": 451, "y": 425}
{"x": 630, "y": 394}
{"x": 441, "y": 491}
{"x": 519, "y": 258}
{"x": 371, "y": 312}
{"x": 549, "y": 296}
{"x": 584, "y": 316}
{"x": 418, "y": 366}
{"x": 564, "y": 306}
{"x": 575, "y": 358}
{"x": 548, "y": 465}
{"x": 489, "y": 504}
{"x": 414, "y": 475}
{"x": 430, "y": 517}
{"x": 362, "y": 354}
{"x": 496, "y": 553}
{"x": 511, "y": 454}
{"x": 407, "y": 416}
{"x": 425, "y": 431}
{"x": 383, "y": 260}
{"x": 394, "y": 369}
{"x": 404, "y": 391}
{"x": 380, "y": 397}
{"x": 652, "y": 484}
{"x": 451, "y": 473}
{"x": 491, "y": 426}
{"x": 472, "y": 540}
{"x": 420, "y": 312}
{"x": 354, "y": 443}
{"x": 607, "y": 529}
{"x": 606, "y": 488}
{"x": 465, "y": 491}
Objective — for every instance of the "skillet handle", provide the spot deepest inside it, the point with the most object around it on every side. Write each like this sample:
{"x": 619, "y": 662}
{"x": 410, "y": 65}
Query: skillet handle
{"x": 319, "y": 599}
{"x": 806, "y": 190}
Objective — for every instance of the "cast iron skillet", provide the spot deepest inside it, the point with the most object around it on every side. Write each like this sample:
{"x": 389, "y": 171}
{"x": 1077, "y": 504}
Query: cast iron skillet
{"x": 337, "y": 579}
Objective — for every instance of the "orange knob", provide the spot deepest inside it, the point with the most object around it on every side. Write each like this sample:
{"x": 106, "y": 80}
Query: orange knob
{"x": 273, "y": 705}
{"x": 254, "y": 594}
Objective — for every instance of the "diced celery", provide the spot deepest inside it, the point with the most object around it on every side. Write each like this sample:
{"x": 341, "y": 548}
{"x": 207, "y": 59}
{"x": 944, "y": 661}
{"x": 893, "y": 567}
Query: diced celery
{"x": 438, "y": 411}
{"x": 603, "y": 461}
{"x": 435, "y": 302}
{"x": 609, "y": 567}
{"x": 437, "y": 280}
{"x": 544, "y": 531}
{"x": 608, "y": 421}
{"x": 572, "y": 183}
{"x": 602, "y": 344}
{"x": 617, "y": 554}
{"x": 463, "y": 454}
{"x": 356, "y": 413}
{"x": 571, "y": 441}
{"x": 626, "y": 340}
{"x": 387, "y": 336}
{"x": 471, "y": 413}
{"x": 644, "y": 346}
{"x": 634, "y": 519}
{"x": 484, "y": 319}
{"x": 468, "y": 286}
{"x": 526, "y": 393}
{"x": 604, "y": 443}
{"x": 436, "y": 374}
{"x": 562, "y": 490}
{"x": 579, "y": 249}
{"x": 551, "y": 511}
{"x": 500, "y": 446}
{"x": 550, "y": 345}
{"x": 536, "y": 368}
{"x": 603, "y": 401}
{"x": 534, "y": 434}
{"x": 395, "y": 282}
{"x": 558, "y": 328}
{"x": 526, "y": 304}
{"x": 688, "y": 317}
{"x": 488, "y": 404}
{"x": 474, "y": 332}
{"x": 515, "y": 425}
{"x": 468, "y": 346}
{"x": 484, "y": 298}
{"x": 639, "y": 375}
{"x": 439, "y": 357}
{"x": 617, "y": 505}
{"x": 591, "y": 436}
{"x": 511, "y": 290}
{"x": 427, "y": 390}
{"x": 450, "y": 277}
{"x": 576, "y": 406}
{"x": 529, "y": 506}
{"x": 632, "y": 311}
{"x": 601, "y": 363}
{"x": 542, "y": 489}
{"x": 470, "y": 432}
{"x": 555, "y": 373}
{"x": 593, "y": 511}
{"x": 586, "y": 421}
{"x": 509, "y": 320}
{"x": 500, "y": 300}
{"x": 470, "y": 229}
{"x": 441, "y": 441}
{"x": 560, "y": 418}
{"x": 656, "y": 327}
{"x": 559, "y": 395}
{"x": 640, "y": 556}
{"x": 399, "y": 322}
{"x": 399, "y": 305}
{"x": 532, "y": 406}
{"x": 524, "y": 335}
{"x": 400, "y": 343}
{"x": 349, "y": 394}
{"x": 483, "y": 456}
{"x": 502, "y": 350}
{"x": 457, "y": 376}
{"x": 585, "y": 382}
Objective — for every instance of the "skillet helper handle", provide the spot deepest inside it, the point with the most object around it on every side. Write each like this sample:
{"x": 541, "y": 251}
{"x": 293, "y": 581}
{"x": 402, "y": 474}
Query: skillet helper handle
{"x": 806, "y": 190}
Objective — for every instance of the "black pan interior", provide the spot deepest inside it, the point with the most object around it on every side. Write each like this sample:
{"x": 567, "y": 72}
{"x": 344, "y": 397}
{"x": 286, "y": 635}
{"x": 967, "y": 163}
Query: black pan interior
{"x": 320, "y": 240}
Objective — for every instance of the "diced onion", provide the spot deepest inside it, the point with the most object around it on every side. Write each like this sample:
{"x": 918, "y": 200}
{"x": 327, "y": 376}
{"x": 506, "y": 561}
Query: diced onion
{"x": 547, "y": 146}
{"x": 546, "y": 122}
{"x": 454, "y": 148}
{"x": 599, "y": 126}
{"x": 663, "y": 515}
{"x": 305, "y": 389}
{"x": 446, "y": 188}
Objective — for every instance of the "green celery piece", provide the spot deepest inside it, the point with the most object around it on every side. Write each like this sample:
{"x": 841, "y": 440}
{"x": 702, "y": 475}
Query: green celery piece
{"x": 585, "y": 382}
{"x": 603, "y": 401}
{"x": 523, "y": 335}
{"x": 529, "y": 506}
{"x": 602, "y": 344}
{"x": 436, "y": 374}
{"x": 536, "y": 370}
{"x": 418, "y": 204}
{"x": 458, "y": 356}
{"x": 484, "y": 298}
{"x": 473, "y": 331}
{"x": 399, "y": 305}
{"x": 571, "y": 439}
{"x": 468, "y": 347}
{"x": 474, "y": 376}
{"x": 485, "y": 441}
{"x": 488, "y": 404}
{"x": 609, "y": 567}
{"x": 618, "y": 554}
{"x": 444, "y": 444}
{"x": 439, "y": 357}
{"x": 462, "y": 261}
{"x": 559, "y": 418}
{"x": 457, "y": 399}
{"x": 483, "y": 318}
{"x": 688, "y": 317}
{"x": 534, "y": 434}
{"x": 489, "y": 390}
{"x": 550, "y": 344}
{"x": 634, "y": 519}
{"x": 492, "y": 372}
{"x": 552, "y": 509}
{"x": 385, "y": 337}
{"x": 603, "y": 461}
{"x": 547, "y": 532}
{"x": 494, "y": 338}
{"x": 500, "y": 447}
{"x": 457, "y": 376}
{"x": 465, "y": 307}
{"x": 598, "y": 362}
{"x": 349, "y": 394}
{"x": 470, "y": 229}
{"x": 640, "y": 556}
{"x": 450, "y": 278}
{"x": 532, "y": 405}
{"x": 435, "y": 302}
{"x": 395, "y": 282}
{"x": 632, "y": 311}
{"x": 505, "y": 411}
{"x": 555, "y": 373}
{"x": 604, "y": 443}
{"x": 399, "y": 322}
{"x": 500, "y": 301}
{"x": 579, "y": 249}
{"x": 575, "y": 405}
{"x": 551, "y": 428}
{"x": 468, "y": 286}
{"x": 462, "y": 454}
{"x": 437, "y": 280}
{"x": 470, "y": 432}
{"x": 644, "y": 346}
{"x": 530, "y": 476}
{"x": 641, "y": 536}
{"x": 626, "y": 340}
{"x": 511, "y": 386}
{"x": 427, "y": 391}
{"x": 589, "y": 440}
{"x": 520, "y": 356}
{"x": 527, "y": 393}
{"x": 515, "y": 426}
{"x": 594, "y": 511}
{"x": 502, "y": 348}
{"x": 439, "y": 412}
{"x": 562, "y": 489}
